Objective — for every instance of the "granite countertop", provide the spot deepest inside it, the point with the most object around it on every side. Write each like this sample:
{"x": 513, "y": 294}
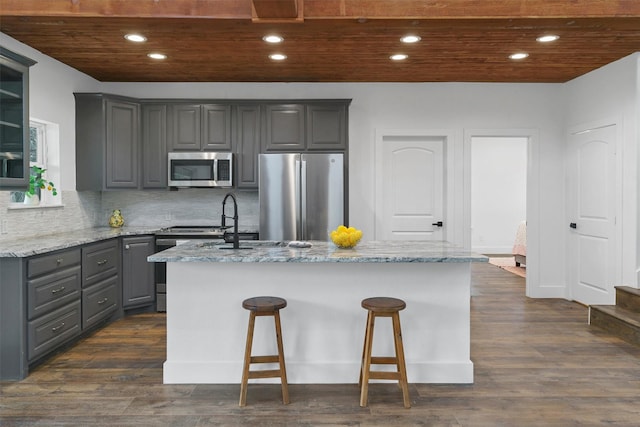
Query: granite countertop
{"x": 25, "y": 247}
{"x": 270, "y": 251}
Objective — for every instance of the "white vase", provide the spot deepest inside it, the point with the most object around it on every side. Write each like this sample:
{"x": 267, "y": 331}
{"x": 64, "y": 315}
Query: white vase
{"x": 31, "y": 200}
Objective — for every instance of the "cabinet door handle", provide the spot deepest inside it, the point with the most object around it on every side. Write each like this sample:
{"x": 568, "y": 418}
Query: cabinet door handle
{"x": 102, "y": 301}
{"x": 126, "y": 246}
{"x": 57, "y": 328}
{"x": 55, "y": 291}
{"x": 59, "y": 261}
{"x": 103, "y": 262}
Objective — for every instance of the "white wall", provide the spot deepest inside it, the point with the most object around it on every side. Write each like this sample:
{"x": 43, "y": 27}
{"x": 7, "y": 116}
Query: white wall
{"x": 454, "y": 107}
{"x": 51, "y": 88}
{"x": 498, "y": 192}
{"x": 609, "y": 95}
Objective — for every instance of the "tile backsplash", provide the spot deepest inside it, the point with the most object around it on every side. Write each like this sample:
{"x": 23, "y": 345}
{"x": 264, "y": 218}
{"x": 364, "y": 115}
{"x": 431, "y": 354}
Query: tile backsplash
{"x": 84, "y": 209}
{"x": 193, "y": 206}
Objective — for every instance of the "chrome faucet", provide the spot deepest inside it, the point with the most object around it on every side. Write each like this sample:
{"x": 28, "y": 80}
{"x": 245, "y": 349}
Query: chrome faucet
{"x": 236, "y": 239}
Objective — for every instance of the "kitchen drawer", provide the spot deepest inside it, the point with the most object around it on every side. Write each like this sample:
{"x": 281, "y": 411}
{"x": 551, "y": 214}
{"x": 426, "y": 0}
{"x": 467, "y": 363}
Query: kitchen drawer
{"x": 53, "y": 262}
{"x": 99, "y": 301}
{"x": 99, "y": 261}
{"x": 49, "y": 331}
{"x": 52, "y": 291}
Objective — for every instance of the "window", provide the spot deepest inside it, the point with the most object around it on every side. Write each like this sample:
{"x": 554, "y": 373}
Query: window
{"x": 44, "y": 153}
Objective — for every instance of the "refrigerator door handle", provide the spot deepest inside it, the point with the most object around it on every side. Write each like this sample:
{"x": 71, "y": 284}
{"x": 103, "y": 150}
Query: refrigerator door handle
{"x": 298, "y": 201}
{"x": 303, "y": 200}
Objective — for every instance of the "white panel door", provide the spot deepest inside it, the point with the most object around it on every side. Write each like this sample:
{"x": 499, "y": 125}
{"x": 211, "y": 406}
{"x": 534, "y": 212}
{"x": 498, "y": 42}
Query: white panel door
{"x": 592, "y": 215}
{"x": 411, "y": 189}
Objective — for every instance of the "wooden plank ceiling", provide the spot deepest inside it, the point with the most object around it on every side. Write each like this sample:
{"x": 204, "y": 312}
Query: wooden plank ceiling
{"x": 328, "y": 40}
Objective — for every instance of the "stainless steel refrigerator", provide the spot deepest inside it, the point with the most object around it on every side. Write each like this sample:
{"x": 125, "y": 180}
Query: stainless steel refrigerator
{"x": 301, "y": 196}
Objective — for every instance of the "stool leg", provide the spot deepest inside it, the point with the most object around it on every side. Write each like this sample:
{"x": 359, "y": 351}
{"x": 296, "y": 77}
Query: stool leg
{"x": 283, "y": 369}
{"x": 400, "y": 359}
{"x": 247, "y": 359}
{"x": 364, "y": 346}
{"x": 366, "y": 364}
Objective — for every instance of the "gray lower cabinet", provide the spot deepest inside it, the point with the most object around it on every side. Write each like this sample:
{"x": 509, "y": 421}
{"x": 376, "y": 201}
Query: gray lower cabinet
{"x": 100, "y": 281}
{"x": 138, "y": 275}
{"x": 48, "y": 332}
{"x": 154, "y": 146}
{"x": 99, "y": 301}
{"x": 107, "y": 142}
{"x": 53, "y": 300}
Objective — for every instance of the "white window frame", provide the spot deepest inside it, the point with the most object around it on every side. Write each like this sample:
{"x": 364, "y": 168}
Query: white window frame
{"x": 48, "y": 136}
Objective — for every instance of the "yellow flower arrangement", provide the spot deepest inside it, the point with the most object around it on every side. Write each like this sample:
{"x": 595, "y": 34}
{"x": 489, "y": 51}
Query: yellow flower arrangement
{"x": 346, "y": 237}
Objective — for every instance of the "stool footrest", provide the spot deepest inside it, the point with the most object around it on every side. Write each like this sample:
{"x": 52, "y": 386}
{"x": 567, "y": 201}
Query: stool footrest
{"x": 267, "y": 373}
{"x": 384, "y": 360}
{"x": 265, "y": 359}
{"x": 384, "y": 375}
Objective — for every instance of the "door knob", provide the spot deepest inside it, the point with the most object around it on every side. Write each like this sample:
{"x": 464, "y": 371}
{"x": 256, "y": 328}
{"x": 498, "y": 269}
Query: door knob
{"x": 438, "y": 224}
{"x": 573, "y": 225}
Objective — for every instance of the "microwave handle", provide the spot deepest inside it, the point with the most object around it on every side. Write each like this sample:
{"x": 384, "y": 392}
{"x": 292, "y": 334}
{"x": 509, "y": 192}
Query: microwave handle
{"x": 215, "y": 169}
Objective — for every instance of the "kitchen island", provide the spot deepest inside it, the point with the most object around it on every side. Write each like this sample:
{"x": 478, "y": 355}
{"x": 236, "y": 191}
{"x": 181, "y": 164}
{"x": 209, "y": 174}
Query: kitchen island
{"x": 323, "y": 324}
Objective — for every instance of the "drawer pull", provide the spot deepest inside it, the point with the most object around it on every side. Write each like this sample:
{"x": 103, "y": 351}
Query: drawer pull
{"x": 55, "y": 291}
{"x": 59, "y": 261}
{"x": 56, "y": 329}
{"x": 103, "y": 262}
{"x": 102, "y": 301}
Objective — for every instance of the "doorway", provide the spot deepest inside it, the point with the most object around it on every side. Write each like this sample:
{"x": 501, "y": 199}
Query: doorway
{"x": 498, "y": 193}
{"x": 529, "y": 140}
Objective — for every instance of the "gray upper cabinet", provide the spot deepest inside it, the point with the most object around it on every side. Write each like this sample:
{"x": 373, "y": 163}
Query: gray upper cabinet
{"x": 154, "y": 145}
{"x": 247, "y": 145}
{"x": 14, "y": 120}
{"x": 197, "y": 127}
{"x": 327, "y": 126}
{"x": 107, "y": 142}
{"x": 284, "y": 127}
{"x": 216, "y": 127}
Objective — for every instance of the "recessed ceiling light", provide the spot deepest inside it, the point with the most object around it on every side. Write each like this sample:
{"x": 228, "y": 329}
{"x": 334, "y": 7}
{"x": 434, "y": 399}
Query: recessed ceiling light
{"x": 410, "y": 39}
{"x": 399, "y": 57}
{"x": 273, "y": 38}
{"x": 548, "y": 38}
{"x": 519, "y": 55}
{"x": 278, "y": 57}
{"x": 157, "y": 55}
{"x": 138, "y": 38}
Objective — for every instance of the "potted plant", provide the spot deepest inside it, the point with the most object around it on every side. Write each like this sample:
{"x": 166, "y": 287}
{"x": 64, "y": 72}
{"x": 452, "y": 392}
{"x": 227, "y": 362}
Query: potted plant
{"x": 38, "y": 182}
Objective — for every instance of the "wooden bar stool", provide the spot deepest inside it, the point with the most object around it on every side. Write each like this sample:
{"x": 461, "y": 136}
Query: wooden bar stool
{"x": 383, "y": 307}
{"x": 264, "y": 306}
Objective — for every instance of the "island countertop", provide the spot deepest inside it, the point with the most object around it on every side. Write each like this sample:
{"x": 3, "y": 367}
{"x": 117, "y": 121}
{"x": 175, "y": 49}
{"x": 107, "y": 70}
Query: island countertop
{"x": 272, "y": 251}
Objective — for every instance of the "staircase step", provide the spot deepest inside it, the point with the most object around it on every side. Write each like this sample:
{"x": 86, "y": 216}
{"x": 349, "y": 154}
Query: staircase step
{"x": 622, "y": 322}
{"x": 627, "y": 297}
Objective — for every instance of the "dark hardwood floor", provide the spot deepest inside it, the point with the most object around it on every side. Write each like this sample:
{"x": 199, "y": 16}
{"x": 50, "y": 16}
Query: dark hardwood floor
{"x": 537, "y": 363}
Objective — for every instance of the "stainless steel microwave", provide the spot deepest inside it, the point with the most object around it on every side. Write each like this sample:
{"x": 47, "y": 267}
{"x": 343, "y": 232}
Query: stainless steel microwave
{"x": 200, "y": 169}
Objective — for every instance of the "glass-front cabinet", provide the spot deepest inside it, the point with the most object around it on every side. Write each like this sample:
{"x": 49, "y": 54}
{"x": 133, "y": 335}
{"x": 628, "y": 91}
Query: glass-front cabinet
{"x": 14, "y": 120}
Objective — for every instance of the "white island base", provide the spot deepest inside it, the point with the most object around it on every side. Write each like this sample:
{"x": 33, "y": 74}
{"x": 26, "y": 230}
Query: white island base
{"x": 323, "y": 324}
